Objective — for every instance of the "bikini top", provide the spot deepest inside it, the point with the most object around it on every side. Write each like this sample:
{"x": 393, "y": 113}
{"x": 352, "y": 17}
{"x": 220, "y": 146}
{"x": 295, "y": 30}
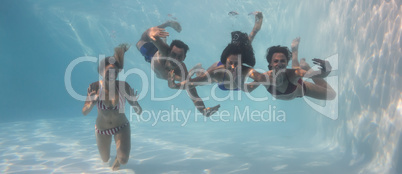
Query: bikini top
{"x": 292, "y": 91}
{"x": 222, "y": 85}
{"x": 120, "y": 104}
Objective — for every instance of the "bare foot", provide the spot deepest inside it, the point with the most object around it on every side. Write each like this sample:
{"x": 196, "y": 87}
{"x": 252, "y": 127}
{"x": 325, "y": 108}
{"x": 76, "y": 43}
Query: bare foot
{"x": 175, "y": 25}
{"x": 295, "y": 44}
{"x": 116, "y": 165}
{"x": 304, "y": 65}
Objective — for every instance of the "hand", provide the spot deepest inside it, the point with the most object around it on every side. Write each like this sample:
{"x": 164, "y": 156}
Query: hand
{"x": 133, "y": 95}
{"x": 295, "y": 44}
{"x": 258, "y": 16}
{"x": 170, "y": 79}
{"x": 124, "y": 46}
{"x": 209, "y": 111}
{"x": 326, "y": 67}
{"x": 93, "y": 94}
{"x": 157, "y": 32}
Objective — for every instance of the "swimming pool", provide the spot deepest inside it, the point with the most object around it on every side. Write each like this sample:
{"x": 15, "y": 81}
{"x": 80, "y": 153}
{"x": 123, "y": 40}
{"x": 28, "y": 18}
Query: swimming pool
{"x": 47, "y": 47}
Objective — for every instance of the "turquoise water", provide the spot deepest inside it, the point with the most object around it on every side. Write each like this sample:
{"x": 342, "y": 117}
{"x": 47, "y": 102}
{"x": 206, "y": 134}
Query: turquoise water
{"x": 43, "y": 130}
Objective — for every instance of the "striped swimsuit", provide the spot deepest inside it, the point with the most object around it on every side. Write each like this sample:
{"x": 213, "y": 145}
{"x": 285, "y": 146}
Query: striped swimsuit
{"x": 120, "y": 105}
{"x": 111, "y": 131}
{"x": 102, "y": 106}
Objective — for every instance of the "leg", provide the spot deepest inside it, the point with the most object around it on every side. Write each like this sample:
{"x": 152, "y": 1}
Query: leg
{"x": 123, "y": 146}
{"x": 295, "y": 52}
{"x": 175, "y": 25}
{"x": 103, "y": 142}
{"x": 304, "y": 65}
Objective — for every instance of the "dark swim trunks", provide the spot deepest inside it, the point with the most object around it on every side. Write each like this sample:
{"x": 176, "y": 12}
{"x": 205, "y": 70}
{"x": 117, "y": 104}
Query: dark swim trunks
{"x": 148, "y": 50}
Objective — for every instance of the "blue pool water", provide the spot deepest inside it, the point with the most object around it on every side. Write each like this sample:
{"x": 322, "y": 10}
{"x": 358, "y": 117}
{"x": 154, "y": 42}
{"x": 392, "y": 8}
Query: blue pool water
{"x": 47, "y": 48}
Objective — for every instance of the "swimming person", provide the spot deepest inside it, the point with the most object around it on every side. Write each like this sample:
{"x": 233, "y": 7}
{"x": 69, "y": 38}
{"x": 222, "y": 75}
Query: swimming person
{"x": 109, "y": 96}
{"x": 291, "y": 84}
{"x": 165, "y": 58}
{"x": 235, "y": 64}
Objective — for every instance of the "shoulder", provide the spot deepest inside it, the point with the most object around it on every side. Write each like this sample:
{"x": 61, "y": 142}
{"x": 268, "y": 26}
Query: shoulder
{"x": 216, "y": 68}
{"x": 216, "y": 65}
{"x": 123, "y": 83}
{"x": 247, "y": 69}
{"x": 156, "y": 59}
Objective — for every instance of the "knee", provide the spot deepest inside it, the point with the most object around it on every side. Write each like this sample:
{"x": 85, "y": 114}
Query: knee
{"x": 331, "y": 95}
{"x": 123, "y": 159}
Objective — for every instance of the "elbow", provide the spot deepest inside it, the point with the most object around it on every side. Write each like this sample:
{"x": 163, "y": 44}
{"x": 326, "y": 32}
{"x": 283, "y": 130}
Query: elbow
{"x": 137, "y": 109}
{"x": 86, "y": 109}
{"x": 139, "y": 112}
{"x": 84, "y": 112}
{"x": 331, "y": 95}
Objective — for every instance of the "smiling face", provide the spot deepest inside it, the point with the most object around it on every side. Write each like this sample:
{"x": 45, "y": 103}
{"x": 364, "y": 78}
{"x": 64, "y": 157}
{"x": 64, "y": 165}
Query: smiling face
{"x": 177, "y": 54}
{"x": 278, "y": 61}
{"x": 232, "y": 62}
{"x": 110, "y": 73}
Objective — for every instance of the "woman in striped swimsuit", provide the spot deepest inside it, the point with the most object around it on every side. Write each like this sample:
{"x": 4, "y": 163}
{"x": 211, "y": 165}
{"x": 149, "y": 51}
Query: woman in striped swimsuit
{"x": 109, "y": 95}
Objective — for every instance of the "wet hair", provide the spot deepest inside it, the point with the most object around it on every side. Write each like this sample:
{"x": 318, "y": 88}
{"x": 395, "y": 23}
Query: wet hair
{"x": 277, "y": 49}
{"x": 240, "y": 44}
{"x": 247, "y": 54}
{"x": 179, "y": 44}
{"x": 239, "y": 37}
{"x": 106, "y": 62}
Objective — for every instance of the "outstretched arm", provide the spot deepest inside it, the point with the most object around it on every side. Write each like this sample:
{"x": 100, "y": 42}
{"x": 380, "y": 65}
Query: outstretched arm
{"x": 268, "y": 78}
{"x": 199, "y": 104}
{"x": 258, "y": 79}
{"x": 257, "y": 26}
{"x": 155, "y": 34}
{"x": 250, "y": 87}
{"x": 320, "y": 89}
{"x": 204, "y": 78}
{"x": 132, "y": 97}
{"x": 192, "y": 91}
